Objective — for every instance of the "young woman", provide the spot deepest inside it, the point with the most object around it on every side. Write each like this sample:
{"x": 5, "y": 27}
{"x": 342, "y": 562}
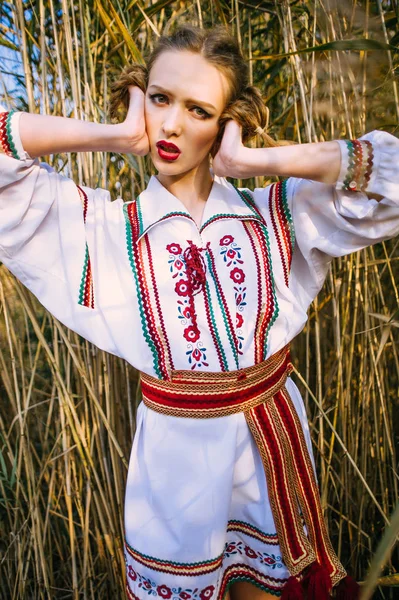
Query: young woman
{"x": 201, "y": 287}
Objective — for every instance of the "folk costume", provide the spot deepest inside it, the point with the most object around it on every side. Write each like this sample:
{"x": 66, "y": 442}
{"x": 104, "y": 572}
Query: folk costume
{"x": 221, "y": 484}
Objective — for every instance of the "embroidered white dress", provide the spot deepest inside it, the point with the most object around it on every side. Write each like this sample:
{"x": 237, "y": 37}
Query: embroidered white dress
{"x": 197, "y": 515}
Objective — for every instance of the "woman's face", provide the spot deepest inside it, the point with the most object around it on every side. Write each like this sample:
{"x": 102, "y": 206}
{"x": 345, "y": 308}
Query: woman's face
{"x": 184, "y": 100}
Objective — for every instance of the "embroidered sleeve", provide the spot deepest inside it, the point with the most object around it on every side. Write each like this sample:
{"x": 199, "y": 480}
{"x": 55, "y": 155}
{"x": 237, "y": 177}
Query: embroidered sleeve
{"x": 356, "y": 166}
{"x": 10, "y": 141}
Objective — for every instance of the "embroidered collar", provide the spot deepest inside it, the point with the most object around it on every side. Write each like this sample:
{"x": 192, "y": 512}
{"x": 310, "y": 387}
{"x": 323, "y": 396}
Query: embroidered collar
{"x": 156, "y": 204}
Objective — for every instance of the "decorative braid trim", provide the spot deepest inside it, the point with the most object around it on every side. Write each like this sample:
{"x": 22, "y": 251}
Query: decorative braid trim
{"x": 360, "y": 165}
{"x": 167, "y": 360}
{"x": 283, "y": 226}
{"x": 243, "y": 572}
{"x": 221, "y": 216}
{"x": 291, "y": 483}
{"x": 268, "y": 308}
{"x": 210, "y": 315}
{"x": 205, "y": 394}
{"x": 6, "y": 139}
{"x": 86, "y": 294}
{"x": 175, "y": 568}
{"x": 250, "y": 203}
{"x": 164, "y": 218}
{"x": 138, "y": 258}
{"x": 86, "y": 289}
{"x": 250, "y": 530}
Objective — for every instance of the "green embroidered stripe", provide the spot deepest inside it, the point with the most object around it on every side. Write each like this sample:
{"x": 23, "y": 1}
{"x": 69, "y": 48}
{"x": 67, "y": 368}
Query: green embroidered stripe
{"x": 249, "y": 202}
{"x": 167, "y": 216}
{"x": 288, "y": 214}
{"x": 276, "y": 307}
{"x": 232, "y": 522}
{"x": 147, "y": 337}
{"x": 140, "y": 215}
{"x": 223, "y": 216}
{"x": 82, "y": 288}
{"x": 226, "y": 323}
{"x": 212, "y": 314}
{"x": 171, "y": 562}
{"x": 9, "y": 135}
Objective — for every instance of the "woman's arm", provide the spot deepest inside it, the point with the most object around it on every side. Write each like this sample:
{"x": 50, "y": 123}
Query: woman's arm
{"x": 318, "y": 162}
{"x": 41, "y": 134}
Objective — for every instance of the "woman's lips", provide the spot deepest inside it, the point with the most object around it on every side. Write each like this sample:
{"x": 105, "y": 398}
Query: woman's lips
{"x": 168, "y": 151}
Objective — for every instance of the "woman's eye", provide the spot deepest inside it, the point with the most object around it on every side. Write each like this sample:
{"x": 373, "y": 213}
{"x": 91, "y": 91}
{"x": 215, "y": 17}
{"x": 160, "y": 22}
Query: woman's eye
{"x": 158, "y": 98}
{"x": 202, "y": 112}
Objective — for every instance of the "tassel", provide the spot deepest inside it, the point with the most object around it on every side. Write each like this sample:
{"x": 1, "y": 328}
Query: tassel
{"x": 292, "y": 590}
{"x": 348, "y": 589}
{"x": 319, "y": 583}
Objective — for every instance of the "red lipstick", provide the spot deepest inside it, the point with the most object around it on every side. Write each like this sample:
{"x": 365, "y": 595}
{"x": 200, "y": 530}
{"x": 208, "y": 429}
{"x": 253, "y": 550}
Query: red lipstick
{"x": 167, "y": 150}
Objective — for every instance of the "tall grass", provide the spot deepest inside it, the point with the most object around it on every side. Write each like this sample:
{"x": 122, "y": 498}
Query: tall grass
{"x": 67, "y": 411}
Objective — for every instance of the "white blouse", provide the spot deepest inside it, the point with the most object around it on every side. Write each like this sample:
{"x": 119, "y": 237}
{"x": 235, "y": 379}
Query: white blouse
{"x": 119, "y": 273}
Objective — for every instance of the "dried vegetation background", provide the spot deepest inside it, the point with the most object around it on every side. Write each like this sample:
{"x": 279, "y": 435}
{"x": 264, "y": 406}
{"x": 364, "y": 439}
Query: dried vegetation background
{"x": 67, "y": 410}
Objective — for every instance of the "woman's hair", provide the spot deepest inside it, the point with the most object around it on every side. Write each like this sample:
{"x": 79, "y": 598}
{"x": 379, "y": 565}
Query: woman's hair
{"x": 245, "y": 104}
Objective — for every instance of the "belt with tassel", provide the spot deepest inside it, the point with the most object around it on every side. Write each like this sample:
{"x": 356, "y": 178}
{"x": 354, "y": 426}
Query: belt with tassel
{"x": 260, "y": 392}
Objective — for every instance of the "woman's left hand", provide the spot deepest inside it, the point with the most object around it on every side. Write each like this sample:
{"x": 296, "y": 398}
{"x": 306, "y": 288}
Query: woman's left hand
{"x": 232, "y": 159}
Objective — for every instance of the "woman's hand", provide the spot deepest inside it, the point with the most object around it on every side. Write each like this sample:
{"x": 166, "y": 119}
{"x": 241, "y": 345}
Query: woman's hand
{"x": 316, "y": 161}
{"x": 232, "y": 159}
{"x": 133, "y": 135}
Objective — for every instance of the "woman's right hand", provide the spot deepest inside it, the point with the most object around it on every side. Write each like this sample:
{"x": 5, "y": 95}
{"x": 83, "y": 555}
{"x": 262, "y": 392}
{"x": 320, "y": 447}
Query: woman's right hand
{"x": 133, "y": 134}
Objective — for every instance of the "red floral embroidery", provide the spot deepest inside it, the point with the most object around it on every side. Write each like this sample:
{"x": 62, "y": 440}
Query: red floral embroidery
{"x": 164, "y": 591}
{"x": 184, "y": 595}
{"x": 226, "y": 240}
{"x": 239, "y": 297}
{"x": 238, "y": 547}
{"x": 189, "y": 269}
{"x": 196, "y": 355}
{"x": 231, "y": 255}
{"x": 174, "y": 248}
{"x": 191, "y": 334}
{"x": 237, "y": 275}
{"x": 186, "y": 312}
{"x": 182, "y": 287}
{"x": 132, "y": 573}
{"x": 207, "y": 592}
{"x": 250, "y": 553}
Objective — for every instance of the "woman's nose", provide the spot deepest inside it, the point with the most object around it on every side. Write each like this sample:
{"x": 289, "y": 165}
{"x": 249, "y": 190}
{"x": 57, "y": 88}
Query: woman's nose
{"x": 172, "y": 121}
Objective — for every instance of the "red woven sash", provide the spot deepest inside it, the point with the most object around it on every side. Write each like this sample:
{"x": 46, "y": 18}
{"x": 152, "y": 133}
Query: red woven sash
{"x": 259, "y": 391}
